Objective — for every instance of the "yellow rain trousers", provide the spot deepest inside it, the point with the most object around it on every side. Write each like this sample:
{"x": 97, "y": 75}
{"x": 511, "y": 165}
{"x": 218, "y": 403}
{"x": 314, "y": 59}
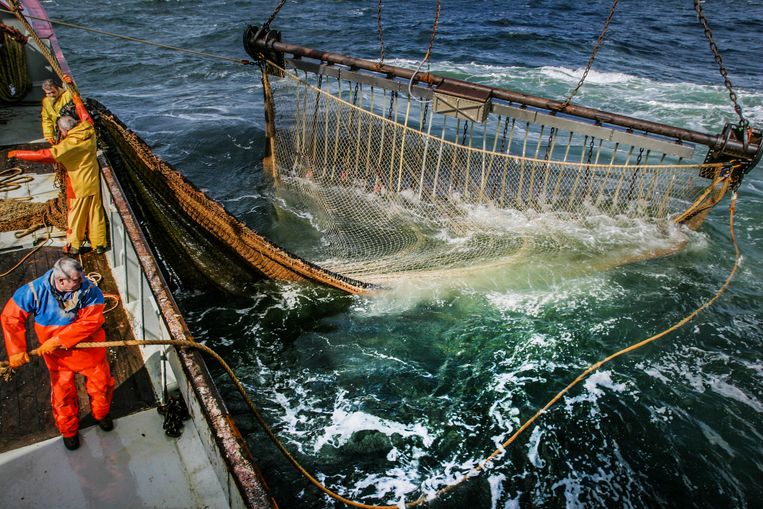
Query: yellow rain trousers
{"x": 77, "y": 152}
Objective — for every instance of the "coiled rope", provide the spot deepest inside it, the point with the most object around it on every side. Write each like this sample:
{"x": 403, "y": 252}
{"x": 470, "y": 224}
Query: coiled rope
{"x": 14, "y": 76}
{"x": 11, "y": 179}
{"x": 4, "y": 372}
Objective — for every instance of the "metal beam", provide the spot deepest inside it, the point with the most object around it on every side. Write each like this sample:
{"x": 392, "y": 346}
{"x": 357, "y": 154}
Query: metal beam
{"x": 730, "y": 147}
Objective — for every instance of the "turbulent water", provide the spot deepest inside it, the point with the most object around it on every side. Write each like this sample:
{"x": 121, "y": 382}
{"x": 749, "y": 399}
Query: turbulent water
{"x": 389, "y": 397}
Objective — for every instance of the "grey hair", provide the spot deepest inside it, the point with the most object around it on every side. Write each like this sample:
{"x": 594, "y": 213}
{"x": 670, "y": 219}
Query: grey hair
{"x": 65, "y": 122}
{"x": 65, "y": 267}
{"x": 49, "y": 84}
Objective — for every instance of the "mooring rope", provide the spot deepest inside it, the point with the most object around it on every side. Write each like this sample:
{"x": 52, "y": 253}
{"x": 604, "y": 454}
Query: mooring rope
{"x": 6, "y": 372}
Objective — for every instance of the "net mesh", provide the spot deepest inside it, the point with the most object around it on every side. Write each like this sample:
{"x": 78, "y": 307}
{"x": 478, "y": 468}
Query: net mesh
{"x": 394, "y": 186}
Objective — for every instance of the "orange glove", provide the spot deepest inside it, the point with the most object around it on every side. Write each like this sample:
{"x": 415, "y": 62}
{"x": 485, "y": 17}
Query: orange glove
{"x": 17, "y": 360}
{"x": 41, "y": 156}
{"x": 68, "y": 79}
{"x": 49, "y": 346}
{"x": 51, "y": 141}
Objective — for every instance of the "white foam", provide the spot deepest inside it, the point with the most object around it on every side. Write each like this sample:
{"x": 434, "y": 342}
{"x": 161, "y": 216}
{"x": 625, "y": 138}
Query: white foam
{"x": 532, "y": 447}
{"x": 595, "y": 386}
{"x": 720, "y": 386}
{"x": 345, "y": 423}
{"x": 597, "y": 77}
{"x": 496, "y": 489}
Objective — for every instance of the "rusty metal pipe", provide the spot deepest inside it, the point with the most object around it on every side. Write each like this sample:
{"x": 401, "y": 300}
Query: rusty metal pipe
{"x": 715, "y": 142}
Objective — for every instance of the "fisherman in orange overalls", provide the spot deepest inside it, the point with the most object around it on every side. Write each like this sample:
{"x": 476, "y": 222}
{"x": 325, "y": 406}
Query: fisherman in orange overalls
{"x": 67, "y": 309}
{"x": 77, "y": 153}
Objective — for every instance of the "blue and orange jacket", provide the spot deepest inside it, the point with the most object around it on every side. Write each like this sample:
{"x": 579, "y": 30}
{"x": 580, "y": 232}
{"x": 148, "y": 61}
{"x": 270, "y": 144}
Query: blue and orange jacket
{"x": 73, "y": 318}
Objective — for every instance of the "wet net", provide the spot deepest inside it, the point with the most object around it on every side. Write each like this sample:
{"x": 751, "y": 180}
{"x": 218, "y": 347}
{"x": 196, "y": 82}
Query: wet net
{"x": 184, "y": 223}
{"x": 402, "y": 180}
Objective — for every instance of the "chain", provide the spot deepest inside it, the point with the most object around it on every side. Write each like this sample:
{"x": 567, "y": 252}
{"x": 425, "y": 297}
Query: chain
{"x": 434, "y": 32}
{"x": 505, "y": 130}
{"x": 550, "y": 142}
{"x": 272, "y": 17}
{"x": 595, "y": 51}
{"x": 718, "y": 60}
{"x": 266, "y": 26}
{"x": 380, "y": 31}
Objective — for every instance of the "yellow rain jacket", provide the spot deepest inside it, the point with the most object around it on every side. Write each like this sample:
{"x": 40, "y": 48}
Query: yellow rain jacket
{"x": 51, "y": 110}
{"x": 77, "y": 152}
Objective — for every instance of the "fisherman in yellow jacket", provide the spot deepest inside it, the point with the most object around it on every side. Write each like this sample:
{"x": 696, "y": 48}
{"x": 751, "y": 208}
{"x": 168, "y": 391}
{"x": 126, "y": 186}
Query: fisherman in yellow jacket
{"x": 77, "y": 153}
{"x": 56, "y": 99}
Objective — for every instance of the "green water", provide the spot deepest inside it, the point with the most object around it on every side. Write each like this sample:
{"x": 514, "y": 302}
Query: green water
{"x": 389, "y": 395}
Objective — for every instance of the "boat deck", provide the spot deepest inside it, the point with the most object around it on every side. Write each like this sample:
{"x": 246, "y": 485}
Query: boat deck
{"x": 136, "y": 464}
{"x": 25, "y": 415}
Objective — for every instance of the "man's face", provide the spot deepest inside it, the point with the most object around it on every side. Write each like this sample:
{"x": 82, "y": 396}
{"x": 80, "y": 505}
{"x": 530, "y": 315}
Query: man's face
{"x": 68, "y": 284}
{"x": 50, "y": 91}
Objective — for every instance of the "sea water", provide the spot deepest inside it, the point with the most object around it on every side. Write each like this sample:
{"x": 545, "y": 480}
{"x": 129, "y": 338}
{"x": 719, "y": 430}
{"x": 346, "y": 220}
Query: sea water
{"x": 391, "y": 396}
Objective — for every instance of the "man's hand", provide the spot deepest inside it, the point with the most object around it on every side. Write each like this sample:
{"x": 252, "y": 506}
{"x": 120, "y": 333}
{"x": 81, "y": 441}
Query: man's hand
{"x": 51, "y": 141}
{"x": 68, "y": 79}
{"x": 49, "y": 346}
{"x": 17, "y": 360}
{"x": 12, "y": 154}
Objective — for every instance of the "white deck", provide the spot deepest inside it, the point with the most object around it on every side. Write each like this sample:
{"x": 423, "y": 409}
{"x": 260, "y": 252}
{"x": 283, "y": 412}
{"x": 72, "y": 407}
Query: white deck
{"x": 18, "y": 128}
{"x": 135, "y": 465}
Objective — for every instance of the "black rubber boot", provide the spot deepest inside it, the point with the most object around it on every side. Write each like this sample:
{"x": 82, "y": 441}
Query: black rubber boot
{"x": 72, "y": 443}
{"x": 107, "y": 423}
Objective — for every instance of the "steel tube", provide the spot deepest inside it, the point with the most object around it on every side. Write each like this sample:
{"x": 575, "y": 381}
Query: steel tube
{"x": 715, "y": 142}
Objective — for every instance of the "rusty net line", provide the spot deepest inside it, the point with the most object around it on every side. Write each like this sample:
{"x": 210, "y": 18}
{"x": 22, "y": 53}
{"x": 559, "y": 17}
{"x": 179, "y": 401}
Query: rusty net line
{"x": 394, "y": 186}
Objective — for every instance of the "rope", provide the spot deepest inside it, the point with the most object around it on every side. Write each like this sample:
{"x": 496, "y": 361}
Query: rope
{"x": 30, "y": 253}
{"x": 96, "y": 278}
{"x": 737, "y": 262}
{"x": 595, "y": 51}
{"x": 42, "y": 47}
{"x": 10, "y": 179}
{"x": 132, "y": 39}
{"x": 14, "y": 76}
{"x": 5, "y": 372}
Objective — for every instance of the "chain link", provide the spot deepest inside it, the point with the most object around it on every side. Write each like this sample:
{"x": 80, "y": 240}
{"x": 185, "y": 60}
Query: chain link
{"x": 434, "y": 32}
{"x": 719, "y": 60}
{"x": 381, "y": 32}
{"x": 595, "y": 51}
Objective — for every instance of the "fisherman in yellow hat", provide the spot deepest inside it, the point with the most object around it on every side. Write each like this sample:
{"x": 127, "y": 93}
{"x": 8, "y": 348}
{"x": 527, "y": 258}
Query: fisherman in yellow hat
{"x": 76, "y": 151}
{"x": 57, "y": 102}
